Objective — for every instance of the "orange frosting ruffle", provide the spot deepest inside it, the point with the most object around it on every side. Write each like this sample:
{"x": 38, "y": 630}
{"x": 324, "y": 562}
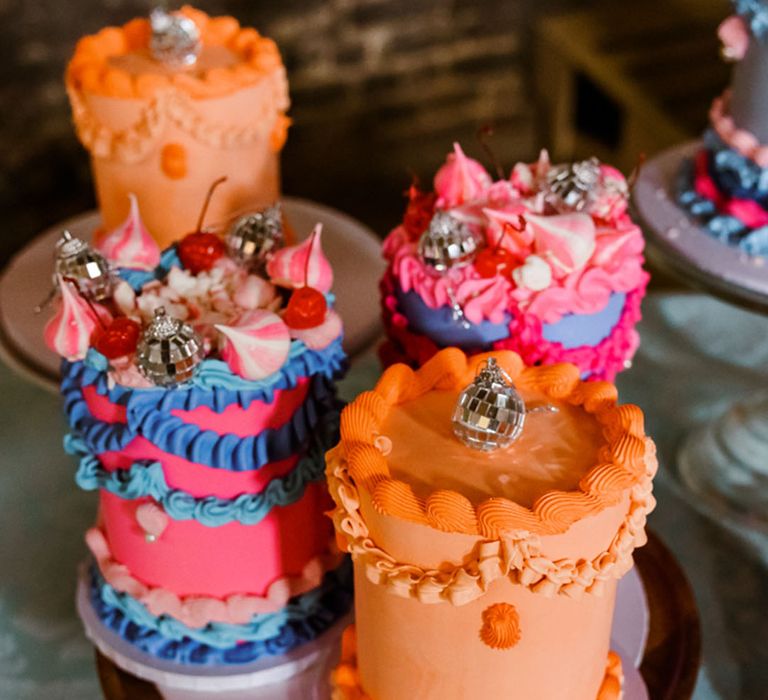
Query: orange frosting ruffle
{"x": 90, "y": 70}
{"x": 622, "y": 464}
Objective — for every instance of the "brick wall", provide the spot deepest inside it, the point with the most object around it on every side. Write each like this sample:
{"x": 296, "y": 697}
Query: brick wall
{"x": 380, "y": 88}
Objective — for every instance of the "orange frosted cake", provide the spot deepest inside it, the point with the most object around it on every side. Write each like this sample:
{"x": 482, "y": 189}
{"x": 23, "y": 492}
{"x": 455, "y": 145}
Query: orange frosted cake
{"x": 168, "y": 106}
{"x": 487, "y": 574}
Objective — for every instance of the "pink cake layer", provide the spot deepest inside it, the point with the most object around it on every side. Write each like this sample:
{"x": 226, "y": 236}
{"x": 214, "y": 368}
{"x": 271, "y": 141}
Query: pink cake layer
{"x": 191, "y": 559}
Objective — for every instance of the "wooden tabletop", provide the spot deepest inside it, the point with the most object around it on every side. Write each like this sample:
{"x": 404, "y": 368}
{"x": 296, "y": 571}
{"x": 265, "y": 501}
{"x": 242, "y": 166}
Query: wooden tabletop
{"x": 672, "y": 654}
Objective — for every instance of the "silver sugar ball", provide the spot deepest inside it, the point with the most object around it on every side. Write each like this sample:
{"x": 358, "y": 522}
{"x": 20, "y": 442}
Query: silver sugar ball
{"x": 572, "y": 186}
{"x": 490, "y": 413}
{"x": 254, "y": 237}
{"x": 175, "y": 38}
{"x": 447, "y": 243}
{"x": 169, "y": 351}
{"x": 90, "y": 269}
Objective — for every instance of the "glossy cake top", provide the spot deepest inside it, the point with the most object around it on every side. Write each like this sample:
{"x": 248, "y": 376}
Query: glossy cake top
{"x": 398, "y": 443}
{"x": 116, "y": 62}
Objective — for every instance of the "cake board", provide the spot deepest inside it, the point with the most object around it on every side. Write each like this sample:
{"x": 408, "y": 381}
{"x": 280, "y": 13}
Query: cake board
{"x": 352, "y": 248}
{"x": 722, "y": 467}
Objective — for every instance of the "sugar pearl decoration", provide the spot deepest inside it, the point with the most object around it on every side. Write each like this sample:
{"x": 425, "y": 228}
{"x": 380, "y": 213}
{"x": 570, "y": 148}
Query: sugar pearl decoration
{"x": 77, "y": 260}
{"x": 489, "y": 414}
{"x": 169, "y": 351}
{"x": 175, "y": 38}
{"x": 447, "y": 243}
{"x": 253, "y": 238}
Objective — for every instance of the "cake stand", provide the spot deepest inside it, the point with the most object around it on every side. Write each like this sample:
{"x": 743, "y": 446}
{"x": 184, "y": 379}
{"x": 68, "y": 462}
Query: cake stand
{"x": 352, "y": 248}
{"x": 722, "y": 466}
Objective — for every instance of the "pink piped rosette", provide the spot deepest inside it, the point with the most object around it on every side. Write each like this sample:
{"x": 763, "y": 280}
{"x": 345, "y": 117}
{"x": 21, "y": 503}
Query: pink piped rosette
{"x": 554, "y": 281}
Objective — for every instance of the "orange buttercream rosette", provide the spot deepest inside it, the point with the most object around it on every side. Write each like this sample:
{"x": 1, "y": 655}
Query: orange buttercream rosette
{"x": 90, "y": 69}
{"x": 621, "y": 465}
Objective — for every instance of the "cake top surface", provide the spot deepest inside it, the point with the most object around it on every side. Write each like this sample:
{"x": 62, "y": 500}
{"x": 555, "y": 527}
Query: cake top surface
{"x": 116, "y": 61}
{"x": 554, "y": 451}
{"x": 199, "y": 314}
{"x": 549, "y": 239}
{"x": 399, "y": 445}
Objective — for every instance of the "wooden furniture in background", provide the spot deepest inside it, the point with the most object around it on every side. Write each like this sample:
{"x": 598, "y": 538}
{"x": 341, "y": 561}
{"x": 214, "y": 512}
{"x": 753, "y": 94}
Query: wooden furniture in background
{"x": 619, "y": 79}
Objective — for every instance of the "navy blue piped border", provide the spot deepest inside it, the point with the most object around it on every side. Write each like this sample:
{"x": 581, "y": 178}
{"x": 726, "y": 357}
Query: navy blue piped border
{"x": 172, "y": 435}
{"x": 335, "y": 602}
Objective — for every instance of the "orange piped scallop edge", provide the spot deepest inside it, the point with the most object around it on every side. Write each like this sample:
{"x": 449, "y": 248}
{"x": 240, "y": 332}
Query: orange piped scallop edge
{"x": 622, "y": 462}
{"x": 89, "y": 69}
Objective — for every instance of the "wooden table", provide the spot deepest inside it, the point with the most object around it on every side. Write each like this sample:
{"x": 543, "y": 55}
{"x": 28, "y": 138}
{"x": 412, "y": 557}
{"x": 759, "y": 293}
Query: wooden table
{"x": 672, "y": 654}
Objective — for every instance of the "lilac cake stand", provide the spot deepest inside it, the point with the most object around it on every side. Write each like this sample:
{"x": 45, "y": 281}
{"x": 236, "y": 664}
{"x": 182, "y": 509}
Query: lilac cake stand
{"x": 722, "y": 466}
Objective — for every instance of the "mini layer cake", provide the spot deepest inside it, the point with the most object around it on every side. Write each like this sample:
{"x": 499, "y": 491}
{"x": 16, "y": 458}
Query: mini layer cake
{"x": 725, "y": 187}
{"x": 487, "y": 574}
{"x": 211, "y": 545}
{"x": 162, "y": 124}
{"x": 550, "y": 267}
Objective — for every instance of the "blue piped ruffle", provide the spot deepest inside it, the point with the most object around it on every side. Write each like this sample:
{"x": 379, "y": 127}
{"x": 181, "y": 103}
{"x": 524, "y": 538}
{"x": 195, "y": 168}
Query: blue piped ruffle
{"x": 724, "y": 227}
{"x": 755, "y": 14}
{"x": 166, "y": 640}
{"x": 147, "y": 479}
{"x": 172, "y": 435}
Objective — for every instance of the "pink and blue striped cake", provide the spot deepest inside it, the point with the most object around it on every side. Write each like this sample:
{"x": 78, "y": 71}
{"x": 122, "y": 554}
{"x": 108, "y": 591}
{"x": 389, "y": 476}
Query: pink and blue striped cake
{"x": 211, "y": 545}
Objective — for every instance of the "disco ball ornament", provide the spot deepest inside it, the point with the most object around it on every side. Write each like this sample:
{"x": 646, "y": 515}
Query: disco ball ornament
{"x": 170, "y": 351}
{"x": 90, "y": 270}
{"x": 489, "y": 413}
{"x": 571, "y": 186}
{"x": 447, "y": 243}
{"x": 253, "y": 238}
{"x": 175, "y": 38}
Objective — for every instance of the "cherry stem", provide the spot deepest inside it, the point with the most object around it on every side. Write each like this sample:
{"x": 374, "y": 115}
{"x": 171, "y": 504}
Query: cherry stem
{"x": 483, "y": 133}
{"x": 207, "y": 201}
{"x": 91, "y": 305}
{"x": 635, "y": 174}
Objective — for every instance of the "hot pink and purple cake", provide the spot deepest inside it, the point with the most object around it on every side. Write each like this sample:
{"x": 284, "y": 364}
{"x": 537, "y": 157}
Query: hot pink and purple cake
{"x": 546, "y": 263}
{"x": 200, "y": 395}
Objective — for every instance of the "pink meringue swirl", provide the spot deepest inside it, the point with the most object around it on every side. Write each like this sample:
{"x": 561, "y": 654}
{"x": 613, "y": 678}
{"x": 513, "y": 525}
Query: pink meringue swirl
{"x": 289, "y": 266}
{"x": 130, "y": 244}
{"x": 257, "y": 345}
{"x": 69, "y": 332}
{"x": 460, "y": 180}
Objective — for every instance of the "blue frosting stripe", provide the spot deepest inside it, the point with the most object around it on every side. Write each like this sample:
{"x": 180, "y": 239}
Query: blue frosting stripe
{"x": 145, "y": 478}
{"x": 148, "y": 415}
{"x": 138, "y": 278}
{"x": 725, "y": 228}
{"x": 755, "y": 14}
{"x": 307, "y": 616}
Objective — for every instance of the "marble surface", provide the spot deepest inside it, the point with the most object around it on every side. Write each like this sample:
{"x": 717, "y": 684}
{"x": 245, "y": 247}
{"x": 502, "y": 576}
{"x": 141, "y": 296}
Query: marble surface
{"x": 682, "y": 376}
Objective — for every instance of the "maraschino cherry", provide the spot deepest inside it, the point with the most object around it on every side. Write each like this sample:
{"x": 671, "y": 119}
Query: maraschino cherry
{"x": 497, "y": 260}
{"x": 115, "y": 339}
{"x": 199, "y": 250}
{"x": 418, "y": 213}
{"x": 307, "y": 306}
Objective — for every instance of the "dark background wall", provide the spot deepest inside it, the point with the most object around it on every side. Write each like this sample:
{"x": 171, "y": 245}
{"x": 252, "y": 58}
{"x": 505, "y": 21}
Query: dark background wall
{"x": 380, "y": 89}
